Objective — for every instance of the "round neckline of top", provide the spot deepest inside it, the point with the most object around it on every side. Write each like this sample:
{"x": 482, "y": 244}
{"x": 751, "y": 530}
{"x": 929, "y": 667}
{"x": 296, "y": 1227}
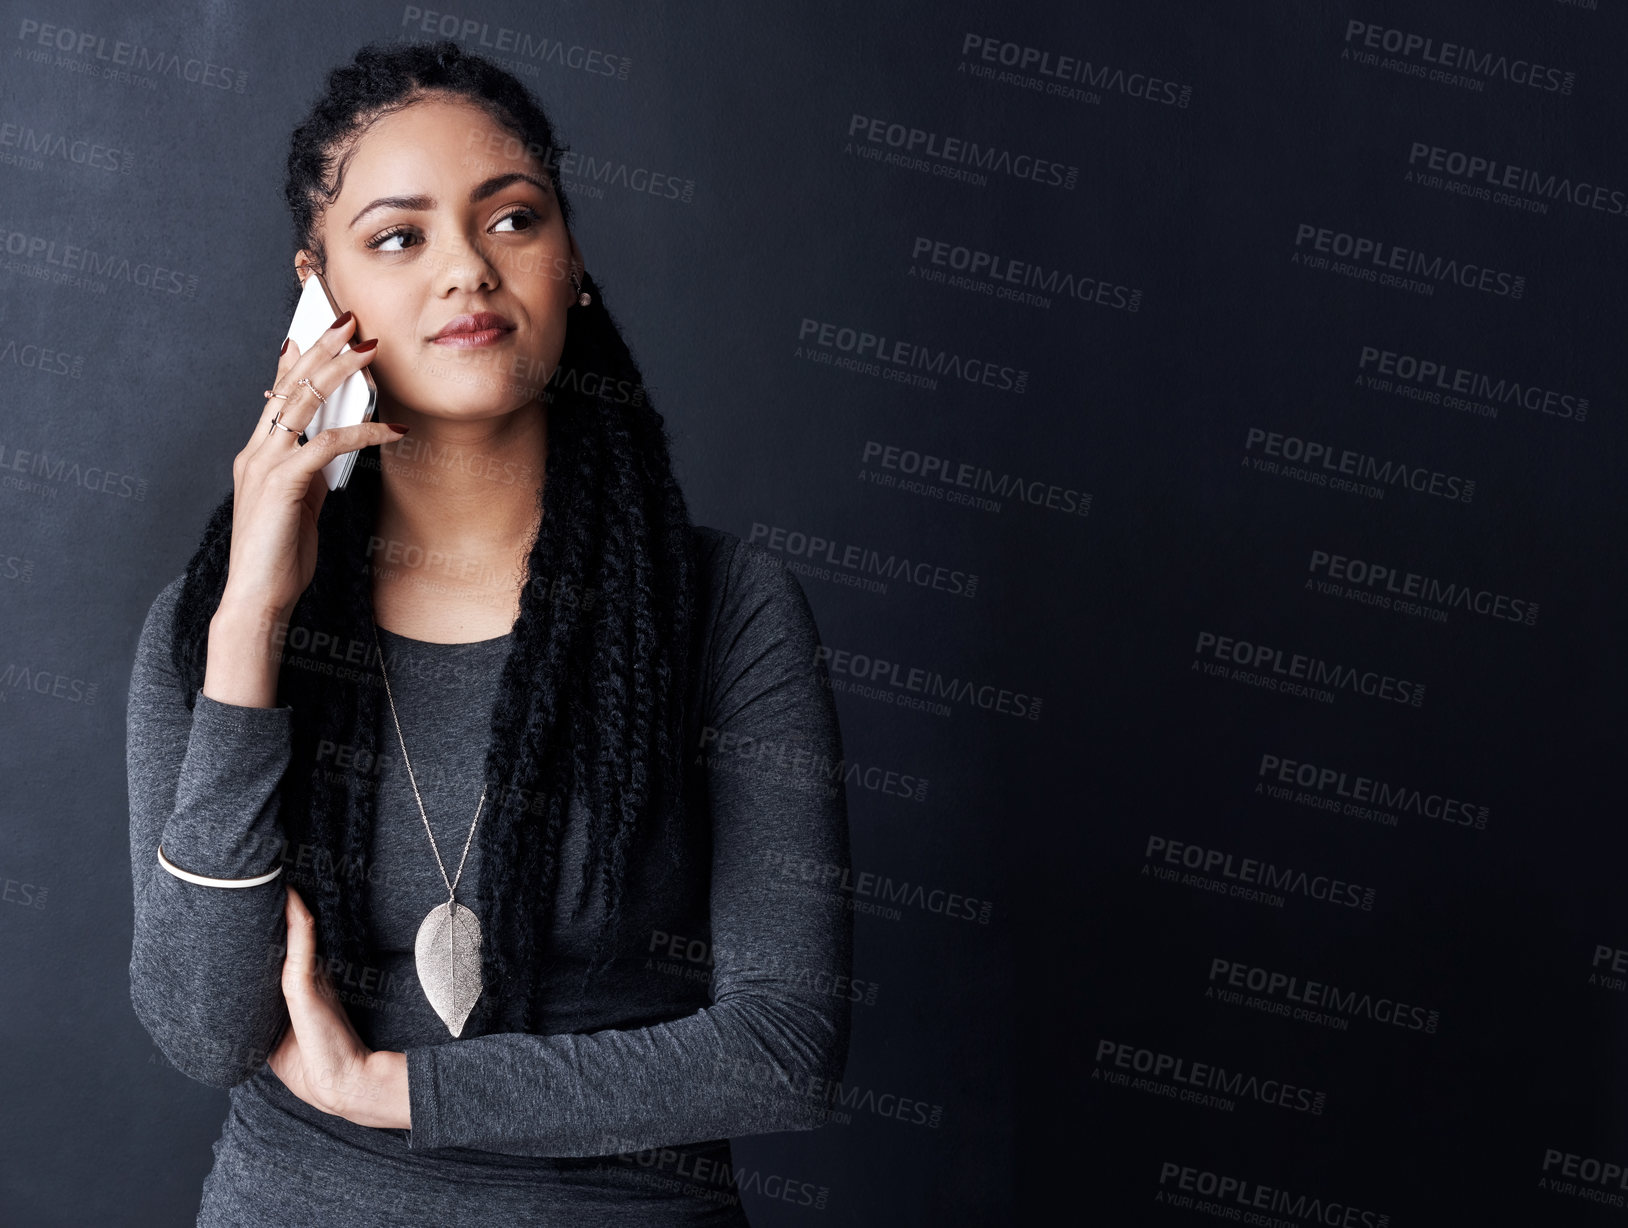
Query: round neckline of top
{"x": 407, "y": 639}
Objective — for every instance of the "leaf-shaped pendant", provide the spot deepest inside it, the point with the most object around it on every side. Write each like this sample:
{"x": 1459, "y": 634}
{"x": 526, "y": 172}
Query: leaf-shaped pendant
{"x": 447, "y": 952}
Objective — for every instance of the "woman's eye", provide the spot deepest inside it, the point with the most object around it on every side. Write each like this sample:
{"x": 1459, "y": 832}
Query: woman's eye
{"x": 382, "y": 243}
{"x": 529, "y": 216}
{"x": 397, "y": 238}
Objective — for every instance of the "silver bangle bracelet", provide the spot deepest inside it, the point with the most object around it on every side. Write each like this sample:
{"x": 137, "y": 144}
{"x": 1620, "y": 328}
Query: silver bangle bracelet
{"x": 204, "y": 881}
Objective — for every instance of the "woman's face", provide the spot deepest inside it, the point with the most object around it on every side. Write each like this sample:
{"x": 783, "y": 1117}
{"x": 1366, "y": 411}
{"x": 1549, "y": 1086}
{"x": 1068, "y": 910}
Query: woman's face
{"x": 443, "y": 215}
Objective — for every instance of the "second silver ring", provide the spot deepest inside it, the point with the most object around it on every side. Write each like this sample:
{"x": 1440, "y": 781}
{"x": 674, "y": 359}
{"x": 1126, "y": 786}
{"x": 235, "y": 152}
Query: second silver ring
{"x": 299, "y": 436}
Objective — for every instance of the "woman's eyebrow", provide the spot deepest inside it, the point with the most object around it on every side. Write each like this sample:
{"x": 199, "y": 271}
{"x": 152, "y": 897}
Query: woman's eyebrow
{"x": 478, "y": 193}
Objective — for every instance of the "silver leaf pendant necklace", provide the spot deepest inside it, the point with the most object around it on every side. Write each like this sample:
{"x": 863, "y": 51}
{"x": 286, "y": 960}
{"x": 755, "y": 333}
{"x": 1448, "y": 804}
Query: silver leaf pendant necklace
{"x": 447, "y": 950}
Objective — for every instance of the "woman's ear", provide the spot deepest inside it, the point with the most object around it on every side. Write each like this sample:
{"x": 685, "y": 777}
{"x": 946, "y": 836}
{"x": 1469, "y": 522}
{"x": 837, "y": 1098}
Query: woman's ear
{"x": 305, "y": 262}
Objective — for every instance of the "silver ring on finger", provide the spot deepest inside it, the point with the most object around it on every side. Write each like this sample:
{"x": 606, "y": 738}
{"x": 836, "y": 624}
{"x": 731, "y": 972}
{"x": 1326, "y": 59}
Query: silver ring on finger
{"x": 321, "y": 400}
{"x": 299, "y": 436}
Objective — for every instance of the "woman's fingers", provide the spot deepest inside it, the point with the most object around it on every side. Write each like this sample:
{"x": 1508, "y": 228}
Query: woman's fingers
{"x": 327, "y": 364}
{"x": 330, "y": 1058}
{"x": 299, "y": 962}
{"x": 285, "y": 363}
{"x": 335, "y": 441}
{"x": 302, "y": 963}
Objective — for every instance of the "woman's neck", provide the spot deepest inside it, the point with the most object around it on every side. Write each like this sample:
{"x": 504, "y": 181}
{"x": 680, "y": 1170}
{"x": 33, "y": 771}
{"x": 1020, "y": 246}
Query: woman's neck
{"x": 458, "y": 511}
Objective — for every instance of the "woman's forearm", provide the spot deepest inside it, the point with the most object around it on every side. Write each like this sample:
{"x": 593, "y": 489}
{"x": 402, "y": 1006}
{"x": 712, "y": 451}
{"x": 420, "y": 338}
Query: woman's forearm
{"x": 380, "y": 1100}
{"x": 245, "y": 648}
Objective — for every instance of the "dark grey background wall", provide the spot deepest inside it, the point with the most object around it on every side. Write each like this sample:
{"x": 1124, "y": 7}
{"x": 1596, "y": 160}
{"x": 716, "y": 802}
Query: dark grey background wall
{"x": 1262, "y": 365}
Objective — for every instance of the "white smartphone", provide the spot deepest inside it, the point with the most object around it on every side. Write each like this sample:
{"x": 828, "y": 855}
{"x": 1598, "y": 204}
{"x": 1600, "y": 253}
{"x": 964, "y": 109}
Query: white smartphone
{"x": 350, "y": 403}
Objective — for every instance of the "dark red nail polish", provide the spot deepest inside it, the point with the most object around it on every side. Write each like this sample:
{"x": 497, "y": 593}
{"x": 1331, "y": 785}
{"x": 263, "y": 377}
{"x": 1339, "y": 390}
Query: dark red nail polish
{"x": 341, "y": 321}
{"x": 284, "y": 348}
{"x": 365, "y": 346}
{"x": 398, "y": 428}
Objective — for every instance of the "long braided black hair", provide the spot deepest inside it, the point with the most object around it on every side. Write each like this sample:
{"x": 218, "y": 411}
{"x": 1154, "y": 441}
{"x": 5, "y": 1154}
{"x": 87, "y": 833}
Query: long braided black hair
{"x": 591, "y": 696}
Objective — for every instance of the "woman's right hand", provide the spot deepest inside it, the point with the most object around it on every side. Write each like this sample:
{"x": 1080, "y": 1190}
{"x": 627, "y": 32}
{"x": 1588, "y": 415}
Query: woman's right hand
{"x": 277, "y": 489}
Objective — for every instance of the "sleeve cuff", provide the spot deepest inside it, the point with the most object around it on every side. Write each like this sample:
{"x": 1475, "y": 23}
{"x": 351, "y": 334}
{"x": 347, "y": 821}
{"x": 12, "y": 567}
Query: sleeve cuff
{"x": 238, "y": 718}
{"x": 421, "y": 1100}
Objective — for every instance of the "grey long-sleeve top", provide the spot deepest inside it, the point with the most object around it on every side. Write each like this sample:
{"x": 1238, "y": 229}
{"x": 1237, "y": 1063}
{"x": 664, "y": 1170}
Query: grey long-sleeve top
{"x": 727, "y": 1012}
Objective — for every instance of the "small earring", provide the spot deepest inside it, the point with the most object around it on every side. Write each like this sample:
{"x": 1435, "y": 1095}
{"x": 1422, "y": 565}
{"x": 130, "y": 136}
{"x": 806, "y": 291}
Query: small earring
{"x": 583, "y": 297}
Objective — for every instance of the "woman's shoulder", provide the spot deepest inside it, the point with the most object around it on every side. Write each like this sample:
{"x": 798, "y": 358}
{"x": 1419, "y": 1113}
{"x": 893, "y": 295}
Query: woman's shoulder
{"x": 154, "y": 638}
{"x": 169, "y": 596}
{"x": 751, "y": 607}
{"x": 743, "y": 576}
{"x": 154, "y": 680}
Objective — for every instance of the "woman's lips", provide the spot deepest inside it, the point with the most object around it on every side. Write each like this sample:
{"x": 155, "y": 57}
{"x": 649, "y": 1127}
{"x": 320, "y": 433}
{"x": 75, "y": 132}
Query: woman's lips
{"x": 470, "y": 331}
{"x": 465, "y": 341}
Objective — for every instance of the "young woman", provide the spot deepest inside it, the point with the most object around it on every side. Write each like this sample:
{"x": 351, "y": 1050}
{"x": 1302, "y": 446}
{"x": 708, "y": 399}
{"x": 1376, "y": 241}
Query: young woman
{"x": 550, "y": 765}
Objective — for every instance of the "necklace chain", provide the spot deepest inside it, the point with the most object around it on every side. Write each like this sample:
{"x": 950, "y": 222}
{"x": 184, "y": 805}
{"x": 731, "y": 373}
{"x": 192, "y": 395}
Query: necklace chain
{"x": 452, "y": 885}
